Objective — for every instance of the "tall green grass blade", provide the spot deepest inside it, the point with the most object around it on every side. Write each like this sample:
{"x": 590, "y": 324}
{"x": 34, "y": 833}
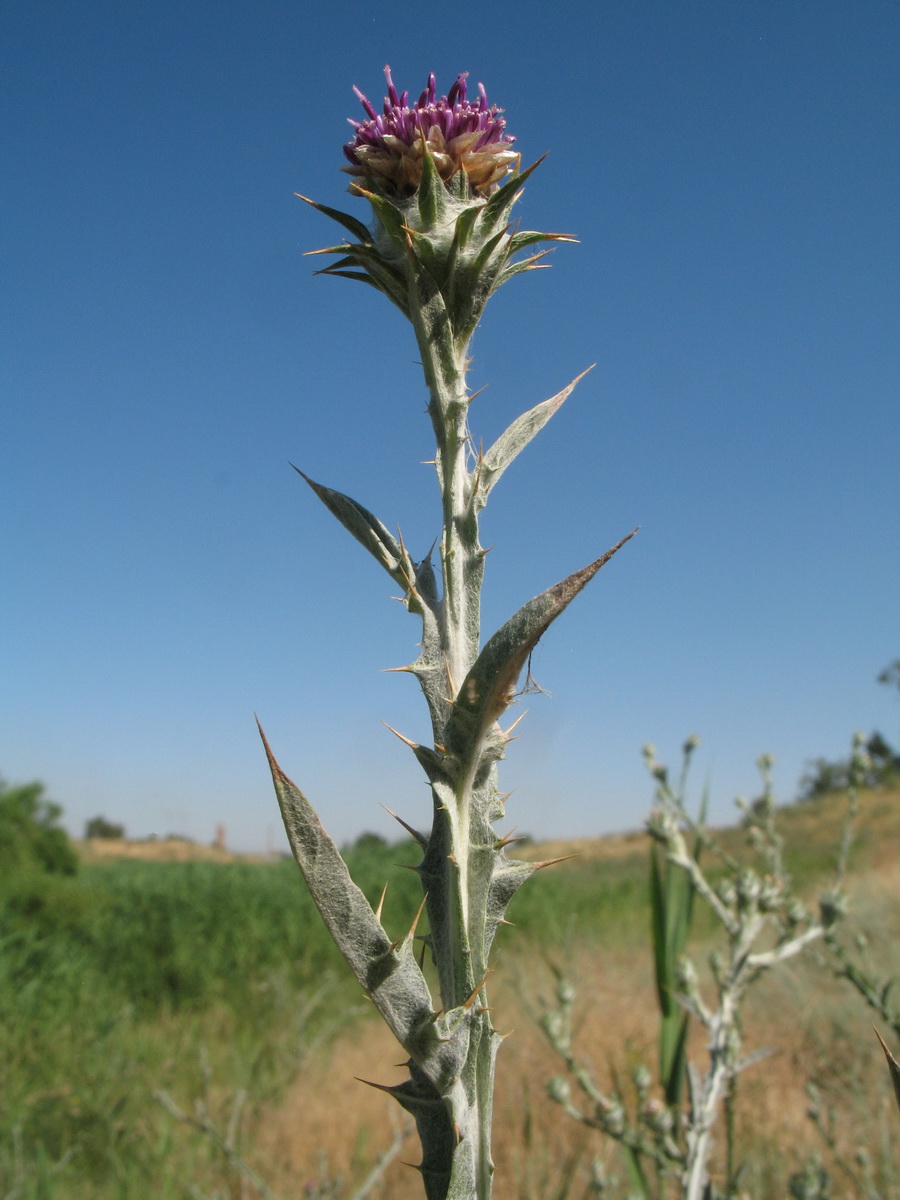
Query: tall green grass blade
{"x": 671, "y": 914}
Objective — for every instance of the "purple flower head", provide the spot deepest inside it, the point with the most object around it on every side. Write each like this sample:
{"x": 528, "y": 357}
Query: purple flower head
{"x": 461, "y": 135}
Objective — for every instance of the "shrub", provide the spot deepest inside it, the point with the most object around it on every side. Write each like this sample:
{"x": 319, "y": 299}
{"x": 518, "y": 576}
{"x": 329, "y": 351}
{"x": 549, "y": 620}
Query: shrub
{"x": 30, "y": 837}
{"x": 99, "y": 827}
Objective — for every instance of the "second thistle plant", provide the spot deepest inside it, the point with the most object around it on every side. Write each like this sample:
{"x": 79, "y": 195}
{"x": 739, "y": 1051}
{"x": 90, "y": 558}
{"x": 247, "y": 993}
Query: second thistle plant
{"x": 441, "y": 177}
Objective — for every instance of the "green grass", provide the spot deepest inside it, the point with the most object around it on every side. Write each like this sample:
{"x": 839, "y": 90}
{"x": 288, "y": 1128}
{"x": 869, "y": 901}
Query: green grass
{"x": 202, "y": 979}
{"x": 114, "y": 981}
{"x": 129, "y": 977}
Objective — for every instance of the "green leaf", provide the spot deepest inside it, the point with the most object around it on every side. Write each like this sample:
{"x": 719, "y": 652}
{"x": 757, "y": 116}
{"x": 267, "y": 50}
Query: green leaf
{"x": 432, "y": 194}
{"x": 673, "y": 1058}
{"x": 388, "y": 214}
{"x": 355, "y": 227}
{"x": 489, "y": 688}
{"x": 519, "y": 241}
{"x": 364, "y": 526}
{"x": 519, "y": 268}
{"x": 658, "y": 928}
{"x": 483, "y": 256}
{"x": 464, "y": 225}
{"x": 432, "y": 261}
{"x": 671, "y": 908}
{"x": 502, "y": 200}
{"x": 390, "y": 977}
{"x": 382, "y": 275}
{"x": 360, "y": 276}
{"x": 639, "y": 1178}
{"x": 514, "y": 440}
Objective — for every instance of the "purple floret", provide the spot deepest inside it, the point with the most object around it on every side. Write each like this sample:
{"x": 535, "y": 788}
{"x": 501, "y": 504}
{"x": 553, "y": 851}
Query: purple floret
{"x": 453, "y": 114}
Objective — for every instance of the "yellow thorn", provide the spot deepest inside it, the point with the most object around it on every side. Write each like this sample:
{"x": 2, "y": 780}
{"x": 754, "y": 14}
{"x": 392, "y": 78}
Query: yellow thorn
{"x": 412, "y": 928}
{"x": 471, "y": 999}
{"x": 509, "y": 840}
{"x": 449, "y": 677}
{"x": 412, "y": 745}
{"x": 551, "y": 862}
{"x": 381, "y": 904}
{"x": 520, "y": 717}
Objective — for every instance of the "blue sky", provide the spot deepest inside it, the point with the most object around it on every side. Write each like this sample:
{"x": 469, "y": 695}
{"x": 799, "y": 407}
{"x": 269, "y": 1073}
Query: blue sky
{"x": 731, "y": 171}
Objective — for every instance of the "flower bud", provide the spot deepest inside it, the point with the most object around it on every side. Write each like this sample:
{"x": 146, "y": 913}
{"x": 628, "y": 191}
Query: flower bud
{"x": 565, "y": 993}
{"x": 462, "y": 137}
{"x": 657, "y": 1117}
{"x": 642, "y": 1078}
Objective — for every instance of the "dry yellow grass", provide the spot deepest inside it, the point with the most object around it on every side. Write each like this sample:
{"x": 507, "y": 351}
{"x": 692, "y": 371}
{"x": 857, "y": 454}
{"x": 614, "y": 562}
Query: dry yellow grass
{"x": 815, "y": 1027}
{"x": 169, "y": 849}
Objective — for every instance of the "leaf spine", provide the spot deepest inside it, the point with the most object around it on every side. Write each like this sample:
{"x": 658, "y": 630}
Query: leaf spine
{"x": 381, "y": 903}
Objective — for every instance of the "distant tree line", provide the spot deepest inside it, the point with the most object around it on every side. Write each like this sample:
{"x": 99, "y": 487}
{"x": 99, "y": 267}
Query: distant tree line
{"x": 882, "y": 760}
{"x": 99, "y": 827}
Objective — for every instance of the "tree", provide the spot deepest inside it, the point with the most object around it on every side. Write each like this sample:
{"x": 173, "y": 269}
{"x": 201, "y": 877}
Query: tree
{"x": 99, "y": 827}
{"x": 30, "y": 834}
{"x": 881, "y": 762}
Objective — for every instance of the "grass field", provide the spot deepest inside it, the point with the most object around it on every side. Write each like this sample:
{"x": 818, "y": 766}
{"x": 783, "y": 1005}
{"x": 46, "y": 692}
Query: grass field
{"x": 214, "y": 983}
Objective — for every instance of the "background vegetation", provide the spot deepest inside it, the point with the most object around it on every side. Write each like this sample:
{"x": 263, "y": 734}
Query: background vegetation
{"x": 215, "y": 984}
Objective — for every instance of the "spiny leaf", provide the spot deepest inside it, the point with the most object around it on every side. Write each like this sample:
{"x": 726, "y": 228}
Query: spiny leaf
{"x": 502, "y": 200}
{"x": 432, "y": 194}
{"x": 424, "y": 250}
{"x": 464, "y": 223}
{"x": 514, "y": 440}
{"x": 394, "y": 982}
{"x": 338, "y": 249}
{"x": 529, "y": 237}
{"x": 484, "y": 254}
{"x": 359, "y": 276}
{"x": 435, "y": 1127}
{"x": 388, "y": 214}
{"x": 489, "y": 687}
{"x": 364, "y": 526}
{"x": 533, "y": 263}
{"x": 355, "y": 227}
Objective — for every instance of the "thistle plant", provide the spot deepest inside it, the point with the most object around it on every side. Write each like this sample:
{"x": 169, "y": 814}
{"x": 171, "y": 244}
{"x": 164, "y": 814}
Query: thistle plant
{"x": 762, "y": 924}
{"x": 440, "y": 176}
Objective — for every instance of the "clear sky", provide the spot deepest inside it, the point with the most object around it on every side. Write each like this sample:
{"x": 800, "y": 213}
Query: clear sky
{"x": 731, "y": 171}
